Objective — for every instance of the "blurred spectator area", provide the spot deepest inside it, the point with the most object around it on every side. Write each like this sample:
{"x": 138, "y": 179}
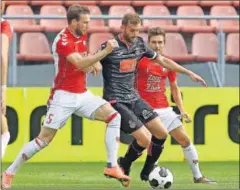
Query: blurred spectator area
{"x": 189, "y": 42}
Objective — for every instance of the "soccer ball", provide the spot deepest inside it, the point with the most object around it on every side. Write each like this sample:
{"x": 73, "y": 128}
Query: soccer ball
{"x": 160, "y": 178}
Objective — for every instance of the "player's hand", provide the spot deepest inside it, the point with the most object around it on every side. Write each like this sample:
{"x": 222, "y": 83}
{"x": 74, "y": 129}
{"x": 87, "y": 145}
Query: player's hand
{"x": 88, "y": 70}
{"x": 3, "y": 101}
{"x": 186, "y": 117}
{"x": 111, "y": 44}
{"x": 197, "y": 78}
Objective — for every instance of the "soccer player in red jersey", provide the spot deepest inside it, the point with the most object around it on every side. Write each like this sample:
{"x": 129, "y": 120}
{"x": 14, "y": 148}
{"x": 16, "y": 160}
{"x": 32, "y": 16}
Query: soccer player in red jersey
{"x": 151, "y": 86}
{"x": 69, "y": 95}
{"x": 6, "y": 36}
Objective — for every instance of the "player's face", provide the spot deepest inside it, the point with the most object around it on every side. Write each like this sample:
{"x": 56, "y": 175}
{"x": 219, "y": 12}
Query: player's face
{"x": 82, "y": 25}
{"x": 157, "y": 43}
{"x": 130, "y": 32}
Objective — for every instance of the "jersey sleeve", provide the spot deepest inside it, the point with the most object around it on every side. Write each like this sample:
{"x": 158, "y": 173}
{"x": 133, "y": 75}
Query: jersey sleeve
{"x": 65, "y": 48}
{"x": 172, "y": 76}
{"x": 7, "y": 29}
{"x": 149, "y": 53}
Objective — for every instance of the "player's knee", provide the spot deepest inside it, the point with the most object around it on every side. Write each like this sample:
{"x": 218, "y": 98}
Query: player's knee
{"x": 40, "y": 143}
{"x": 114, "y": 118}
{"x": 185, "y": 142}
{"x": 162, "y": 133}
{"x": 145, "y": 139}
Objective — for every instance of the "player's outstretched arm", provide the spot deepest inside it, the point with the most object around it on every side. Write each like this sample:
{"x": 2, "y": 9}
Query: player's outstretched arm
{"x": 84, "y": 62}
{"x": 173, "y": 66}
{"x": 4, "y": 57}
{"x": 176, "y": 93}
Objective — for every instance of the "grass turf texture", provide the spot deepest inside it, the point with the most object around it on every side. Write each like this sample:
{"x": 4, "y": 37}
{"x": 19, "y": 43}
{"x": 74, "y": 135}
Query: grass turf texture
{"x": 90, "y": 175}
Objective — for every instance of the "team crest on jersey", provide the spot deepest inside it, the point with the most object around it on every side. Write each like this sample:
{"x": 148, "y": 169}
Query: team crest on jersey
{"x": 164, "y": 69}
{"x": 132, "y": 124}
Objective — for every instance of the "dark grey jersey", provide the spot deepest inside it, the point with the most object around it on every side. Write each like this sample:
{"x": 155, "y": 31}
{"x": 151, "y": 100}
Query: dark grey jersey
{"x": 119, "y": 69}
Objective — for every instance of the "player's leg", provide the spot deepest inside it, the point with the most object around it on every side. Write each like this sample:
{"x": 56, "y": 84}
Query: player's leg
{"x": 94, "y": 107}
{"x": 189, "y": 150}
{"x": 55, "y": 119}
{"x": 130, "y": 124}
{"x": 159, "y": 135}
{"x": 5, "y": 135}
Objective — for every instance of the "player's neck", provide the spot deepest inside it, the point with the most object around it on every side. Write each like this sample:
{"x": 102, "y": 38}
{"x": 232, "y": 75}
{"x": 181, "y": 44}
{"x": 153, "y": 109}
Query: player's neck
{"x": 73, "y": 33}
{"x": 128, "y": 44}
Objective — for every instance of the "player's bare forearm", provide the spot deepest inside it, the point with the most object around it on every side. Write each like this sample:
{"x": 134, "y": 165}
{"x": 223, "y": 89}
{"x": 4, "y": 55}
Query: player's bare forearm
{"x": 85, "y": 62}
{"x": 176, "y": 93}
{"x": 172, "y": 65}
{"x": 4, "y": 59}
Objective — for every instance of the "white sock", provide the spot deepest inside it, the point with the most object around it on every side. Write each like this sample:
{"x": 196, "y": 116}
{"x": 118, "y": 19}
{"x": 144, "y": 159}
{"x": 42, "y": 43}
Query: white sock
{"x": 191, "y": 155}
{"x": 112, "y": 138}
{"x": 5, "y": 140}
{"x": 27, "y": 152}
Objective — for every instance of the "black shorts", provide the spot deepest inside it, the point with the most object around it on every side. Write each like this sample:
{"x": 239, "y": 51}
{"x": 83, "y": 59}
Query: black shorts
{"x": 134, "y": 115}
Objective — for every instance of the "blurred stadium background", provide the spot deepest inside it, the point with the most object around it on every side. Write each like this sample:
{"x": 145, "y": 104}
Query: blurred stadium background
{"x": 201, "y": 35}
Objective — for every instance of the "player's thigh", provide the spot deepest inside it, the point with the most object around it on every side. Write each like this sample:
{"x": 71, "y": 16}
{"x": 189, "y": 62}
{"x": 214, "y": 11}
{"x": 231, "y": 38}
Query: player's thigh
{"x": 57, "y": 116}
{"x": 103, "y": 112}
{"x": 144, "y": 112}
{"x": 4, "y": 125}
{"x": 180, "y": 135}
{"x": 129, "y": 121}
{"x": 89, "y": 107}
{"x": 169, "y": 118}
{"x": 150, "y": 118}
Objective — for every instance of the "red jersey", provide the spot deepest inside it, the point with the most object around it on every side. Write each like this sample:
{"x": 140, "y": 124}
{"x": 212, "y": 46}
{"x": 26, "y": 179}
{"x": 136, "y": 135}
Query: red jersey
{"x": 151, "y": 82}
{"x": 68, "y": 78}
{"x": 6, "y": 29}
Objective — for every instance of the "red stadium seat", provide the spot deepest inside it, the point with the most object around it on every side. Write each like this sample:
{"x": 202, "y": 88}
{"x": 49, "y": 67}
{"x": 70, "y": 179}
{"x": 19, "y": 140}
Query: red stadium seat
{"x": 232, "y": 47}
{"x": 176, "y": 48}
{"x": 109, "y": 3}
{"x": 147, "y": 2}
{"x": 192, "y": 25}
{"x": 96, "y": 25}
{"x": 16, "y": 2}
{"x": 236, "y": 3}
{"x": 166, "y": 24}
{"x": 37, "y": 3}
{"x": 53, "y": 25}
{"x": 96, "y": 39}
{"x": 227, "y": 25}
{"x": 180, "y": 3}
{"x": 205, "y": 3}
{"x": 144, "y": 36}
{"x": 205, "y": 46}
{"x": 91, "y": 2}
{"x": 22, "y": 25}
{"x": 114, "y": 24}
{"x": 34, "y": 47}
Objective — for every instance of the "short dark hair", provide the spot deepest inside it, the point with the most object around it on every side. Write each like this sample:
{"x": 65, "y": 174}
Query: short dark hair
{"x": 131, "y": 18}
{"x": 155, "y": 32}
{"x": 75, "y": 11}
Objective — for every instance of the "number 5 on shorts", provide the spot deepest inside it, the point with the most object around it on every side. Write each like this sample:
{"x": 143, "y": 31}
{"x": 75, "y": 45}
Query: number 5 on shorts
{"x": 49, "y": 119}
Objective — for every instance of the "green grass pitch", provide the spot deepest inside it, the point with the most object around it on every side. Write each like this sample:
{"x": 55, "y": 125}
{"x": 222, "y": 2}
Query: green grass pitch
{"x": 90, "y": 175}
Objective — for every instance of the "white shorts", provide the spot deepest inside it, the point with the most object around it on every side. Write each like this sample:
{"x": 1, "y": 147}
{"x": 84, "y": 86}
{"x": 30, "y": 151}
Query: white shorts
{"x": 64, "y": 104}
{"x": 169, "y": 118}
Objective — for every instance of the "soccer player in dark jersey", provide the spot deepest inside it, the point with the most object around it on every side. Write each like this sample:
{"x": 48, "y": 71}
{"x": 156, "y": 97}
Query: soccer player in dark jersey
{"x": 151, "y": 86}
{"x": 137, "y": 117}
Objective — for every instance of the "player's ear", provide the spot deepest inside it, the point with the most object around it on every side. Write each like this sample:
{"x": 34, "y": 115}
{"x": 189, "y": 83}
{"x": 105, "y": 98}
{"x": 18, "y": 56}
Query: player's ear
{"x": 122, "y": 28}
